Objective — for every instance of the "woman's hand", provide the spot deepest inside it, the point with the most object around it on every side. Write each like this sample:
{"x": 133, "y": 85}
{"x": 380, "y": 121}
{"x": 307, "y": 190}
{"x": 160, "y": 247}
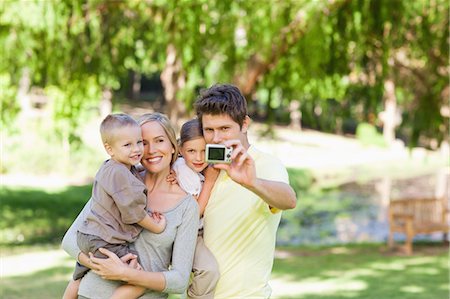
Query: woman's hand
{"x": 112, "y": 268}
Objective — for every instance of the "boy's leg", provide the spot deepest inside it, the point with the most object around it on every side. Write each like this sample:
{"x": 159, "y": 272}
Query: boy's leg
{"x": 128, "y": 291}
{"x": 71, "y": 291}
{"x": 206, "y": 272}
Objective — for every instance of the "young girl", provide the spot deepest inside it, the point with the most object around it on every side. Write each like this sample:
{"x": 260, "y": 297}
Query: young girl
{"x": 196, "y": 178}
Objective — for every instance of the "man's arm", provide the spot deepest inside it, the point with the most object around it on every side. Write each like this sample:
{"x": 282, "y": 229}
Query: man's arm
{"x": 243, "y": 171}
{"x": 276, "y": 194}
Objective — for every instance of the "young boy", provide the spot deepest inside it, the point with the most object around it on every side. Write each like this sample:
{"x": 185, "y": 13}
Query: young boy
{"x": 119, "y": 199}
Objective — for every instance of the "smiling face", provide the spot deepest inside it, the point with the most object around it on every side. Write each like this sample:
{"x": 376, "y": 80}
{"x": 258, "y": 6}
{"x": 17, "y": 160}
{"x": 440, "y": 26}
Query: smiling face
{"x": 126, "y": 146}
{"x": 193, "y": 152}
{"x": 158, "y": 150}
{"x": 218, "y": 128}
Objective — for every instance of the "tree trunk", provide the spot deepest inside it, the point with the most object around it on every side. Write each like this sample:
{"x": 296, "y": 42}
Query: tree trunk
{"x": 134, "y": 79}
{"x": 389, "y": 115}
{"x": 22, "y": 94}
{"x": 173, "y": 79}
{"x": 106, "y": 103}
{"x": 295, "y": 115}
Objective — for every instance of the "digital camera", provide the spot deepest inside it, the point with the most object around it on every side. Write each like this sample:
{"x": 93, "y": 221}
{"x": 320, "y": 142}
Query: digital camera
{"x": 218, "y": 153}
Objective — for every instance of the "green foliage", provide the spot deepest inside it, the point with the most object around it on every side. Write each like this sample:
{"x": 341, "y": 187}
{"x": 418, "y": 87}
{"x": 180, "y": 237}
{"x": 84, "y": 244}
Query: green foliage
{"x": 300, "y": 179}
{"x": 312, "y": 51}
{"x": 8, "y": 105}
{"x": 369, "y": 136}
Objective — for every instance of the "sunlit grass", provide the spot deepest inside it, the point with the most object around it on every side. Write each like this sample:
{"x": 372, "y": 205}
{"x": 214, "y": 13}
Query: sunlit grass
{"x": 351, "y": 271}
{"x": 368, "y": 272}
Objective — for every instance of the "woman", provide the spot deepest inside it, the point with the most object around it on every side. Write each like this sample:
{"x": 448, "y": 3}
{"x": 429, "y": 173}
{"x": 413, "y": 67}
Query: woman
{"x": 173, "y": 247}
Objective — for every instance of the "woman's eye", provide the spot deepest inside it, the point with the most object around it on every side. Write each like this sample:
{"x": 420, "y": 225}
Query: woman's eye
{"x": 140, "y": 142}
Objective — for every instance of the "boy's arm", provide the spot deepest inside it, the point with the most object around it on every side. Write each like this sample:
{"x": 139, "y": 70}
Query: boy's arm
{"x": 155, "y": 223}
{"x": 242, "y": 170}
{"x": 211, "y": 175}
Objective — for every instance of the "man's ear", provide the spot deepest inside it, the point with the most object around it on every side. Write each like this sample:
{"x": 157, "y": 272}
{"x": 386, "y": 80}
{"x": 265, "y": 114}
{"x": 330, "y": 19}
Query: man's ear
{"x": 108, "y": 149}
{"x": 246, "y": 124}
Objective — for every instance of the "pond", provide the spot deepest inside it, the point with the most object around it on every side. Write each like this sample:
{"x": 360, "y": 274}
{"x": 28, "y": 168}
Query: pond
{"x": 354, "y": 212}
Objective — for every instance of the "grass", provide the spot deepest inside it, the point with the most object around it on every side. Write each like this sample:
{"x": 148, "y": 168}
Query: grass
{"x": 39, "y": 215}
{"x": 33, "y": 221}
{"x": 351, "y": 271}
{"x": 361, "y": 271}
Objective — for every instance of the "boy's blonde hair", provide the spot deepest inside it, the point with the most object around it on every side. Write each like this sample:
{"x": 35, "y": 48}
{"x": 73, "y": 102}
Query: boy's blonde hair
{"x": 113, "y": 122}
{"x": 166, "y": 125}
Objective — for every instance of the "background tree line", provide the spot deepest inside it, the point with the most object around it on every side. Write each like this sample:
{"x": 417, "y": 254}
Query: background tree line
{"x": 333, "y": 63}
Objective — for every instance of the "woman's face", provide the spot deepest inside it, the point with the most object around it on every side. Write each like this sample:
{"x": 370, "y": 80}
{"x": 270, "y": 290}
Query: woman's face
{"x": 158, "y": 149}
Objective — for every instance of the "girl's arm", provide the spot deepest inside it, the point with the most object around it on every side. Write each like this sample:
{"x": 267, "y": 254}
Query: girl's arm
{"x": 211, "y": 175}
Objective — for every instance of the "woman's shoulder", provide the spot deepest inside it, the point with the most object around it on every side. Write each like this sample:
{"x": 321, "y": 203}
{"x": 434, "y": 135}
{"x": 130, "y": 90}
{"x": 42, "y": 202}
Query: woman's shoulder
{"x": 186, "y": 203}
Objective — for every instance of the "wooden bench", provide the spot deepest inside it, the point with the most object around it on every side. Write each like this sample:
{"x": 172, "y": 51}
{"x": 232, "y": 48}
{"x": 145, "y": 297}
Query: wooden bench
{"x": 417, "y": 216}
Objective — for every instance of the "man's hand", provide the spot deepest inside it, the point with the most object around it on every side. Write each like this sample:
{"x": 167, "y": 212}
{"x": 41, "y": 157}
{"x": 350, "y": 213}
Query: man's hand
{"x": 242, "y": 169}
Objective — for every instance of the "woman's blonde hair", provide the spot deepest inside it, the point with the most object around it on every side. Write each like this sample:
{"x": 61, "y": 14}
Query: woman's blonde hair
{"x": 166, "y": 125}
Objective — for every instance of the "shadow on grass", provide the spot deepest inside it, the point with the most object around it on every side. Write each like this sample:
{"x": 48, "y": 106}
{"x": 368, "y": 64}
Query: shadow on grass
{"x": 32, "y": 215}
{"x": 366, "y": 272}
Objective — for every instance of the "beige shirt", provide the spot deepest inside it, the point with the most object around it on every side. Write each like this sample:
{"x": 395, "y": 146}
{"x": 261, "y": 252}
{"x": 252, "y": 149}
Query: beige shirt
{"x": 118, "y": 202}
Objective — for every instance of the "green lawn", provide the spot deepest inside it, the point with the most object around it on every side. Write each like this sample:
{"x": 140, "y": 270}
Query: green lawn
{"x": 33, "y": 221}
{"x": 352, "y": 271}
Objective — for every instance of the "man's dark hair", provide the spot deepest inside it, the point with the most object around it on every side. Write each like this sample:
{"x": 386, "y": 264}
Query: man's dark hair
{"x": 222, "y": 99}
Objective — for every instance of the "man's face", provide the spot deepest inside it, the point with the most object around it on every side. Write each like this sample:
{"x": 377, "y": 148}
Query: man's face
{"x": 221, "y": 127}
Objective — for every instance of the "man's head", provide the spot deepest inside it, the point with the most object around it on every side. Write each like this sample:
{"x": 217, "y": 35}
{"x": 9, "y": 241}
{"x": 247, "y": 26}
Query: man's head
{"x": 122, "y": 139}
{"x": 222, "y": 111}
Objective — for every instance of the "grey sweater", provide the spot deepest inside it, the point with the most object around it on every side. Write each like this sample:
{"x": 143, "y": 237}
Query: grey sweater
{"x": 173, "y": 248}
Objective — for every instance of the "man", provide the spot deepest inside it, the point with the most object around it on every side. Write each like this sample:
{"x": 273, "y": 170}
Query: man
{"x": 244, "y": 209}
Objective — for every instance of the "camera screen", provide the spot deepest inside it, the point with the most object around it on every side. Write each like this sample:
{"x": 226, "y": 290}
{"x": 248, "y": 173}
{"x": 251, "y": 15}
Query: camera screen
{"x": 216, "y": 154}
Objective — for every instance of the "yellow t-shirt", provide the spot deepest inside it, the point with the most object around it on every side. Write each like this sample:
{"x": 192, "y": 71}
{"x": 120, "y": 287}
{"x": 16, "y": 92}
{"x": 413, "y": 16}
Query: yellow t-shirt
{"x": 240, "y": 230}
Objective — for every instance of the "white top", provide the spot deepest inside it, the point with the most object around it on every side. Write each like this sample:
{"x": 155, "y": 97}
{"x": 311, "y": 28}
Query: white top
{"x": 188, "y": 179}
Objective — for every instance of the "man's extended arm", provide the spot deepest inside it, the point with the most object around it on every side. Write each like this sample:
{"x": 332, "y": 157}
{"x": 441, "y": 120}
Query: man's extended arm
{"x": 242, "y": 170}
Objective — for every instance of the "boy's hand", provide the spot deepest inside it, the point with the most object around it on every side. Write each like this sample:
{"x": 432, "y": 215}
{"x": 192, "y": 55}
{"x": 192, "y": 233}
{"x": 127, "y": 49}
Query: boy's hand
{"x": 159, "y": 219}
{"x": 131, "y": 260}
